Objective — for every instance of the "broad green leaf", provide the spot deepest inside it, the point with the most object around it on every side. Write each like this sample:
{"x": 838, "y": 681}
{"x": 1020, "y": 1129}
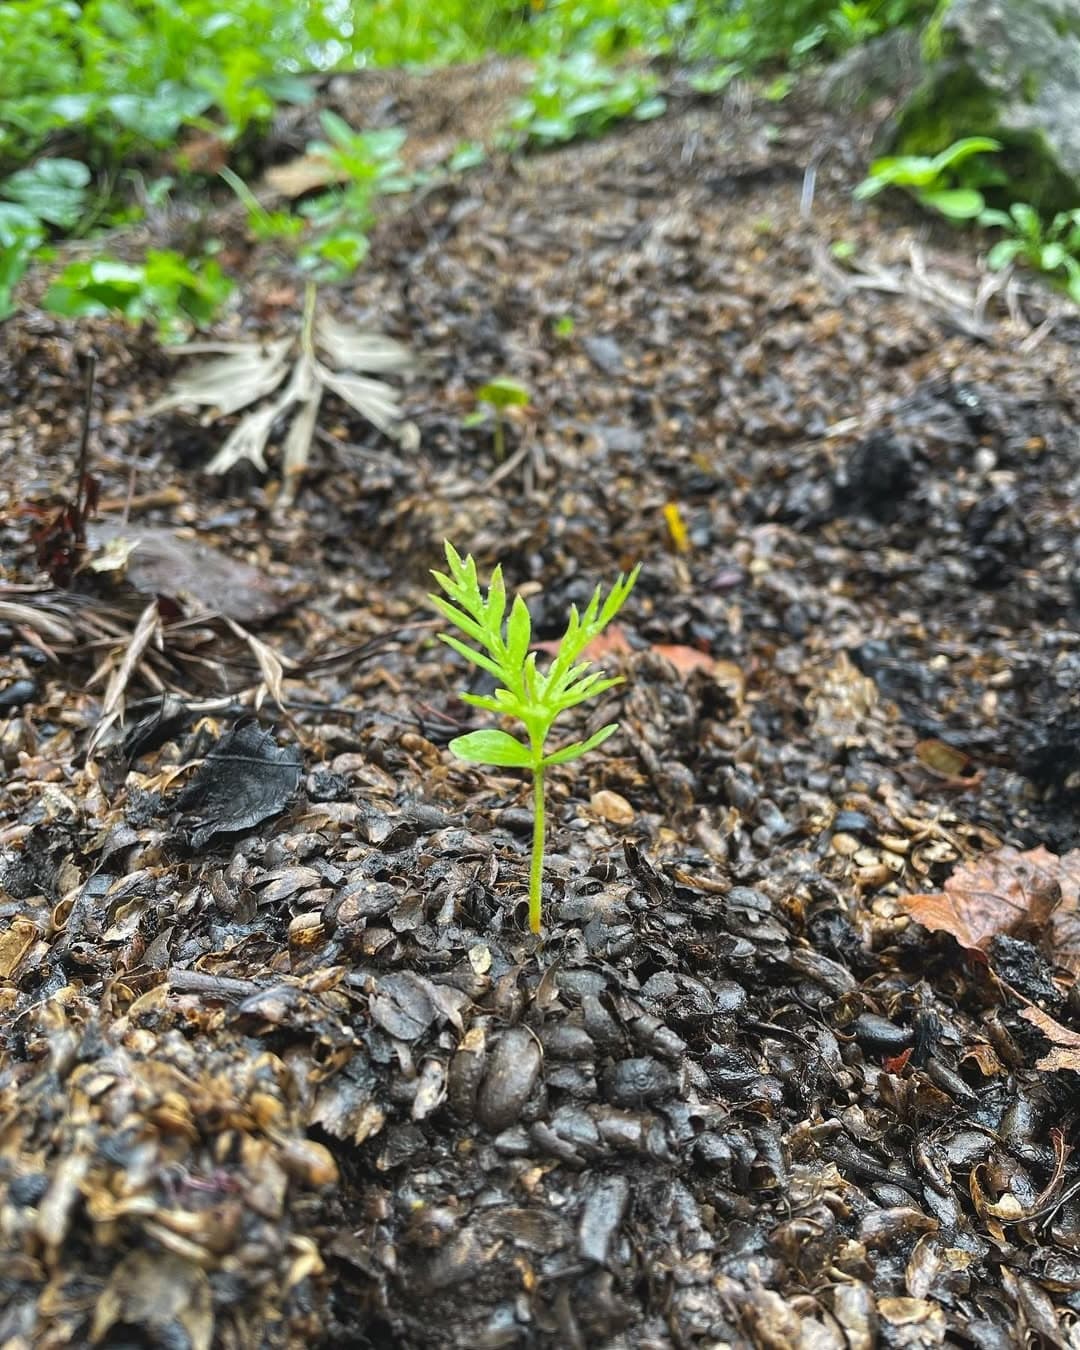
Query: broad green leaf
{"x": 1027, "y": 219}
{"x": 53, "y": 189}
{"x": 650, "y": 108}
{"x": 18, "y": 224}
{"x": 1052, "y": 257}
{"x": 991, "y": 217}
{"x": 579, "y": 748}
{"x": 960, "y": 150}
{"x": 899, "y": 170}
{"x": 492, "y": 747}
{"x": 954, "y": 203}
{"x": 504, "y": 393}
{"x": 1004, "y": 252}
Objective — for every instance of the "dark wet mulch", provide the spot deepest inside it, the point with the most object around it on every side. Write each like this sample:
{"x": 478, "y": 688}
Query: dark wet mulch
{"x": 281, "y": 1065}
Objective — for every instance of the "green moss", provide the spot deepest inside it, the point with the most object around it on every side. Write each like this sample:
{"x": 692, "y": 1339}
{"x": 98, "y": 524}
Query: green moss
{"x": 954, "y": 104}
{"x": 929, "y": 124}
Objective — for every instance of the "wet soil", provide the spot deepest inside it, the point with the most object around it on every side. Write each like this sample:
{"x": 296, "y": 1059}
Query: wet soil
{"x": 307, "y": 1080}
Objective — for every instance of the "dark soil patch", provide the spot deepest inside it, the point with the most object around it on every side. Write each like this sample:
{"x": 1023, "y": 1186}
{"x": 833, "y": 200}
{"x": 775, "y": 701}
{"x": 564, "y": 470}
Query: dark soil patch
{"x": 310, "y": 1082}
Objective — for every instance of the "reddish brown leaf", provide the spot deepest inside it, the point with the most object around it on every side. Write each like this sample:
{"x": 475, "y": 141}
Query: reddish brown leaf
{"x": 1002, "y": 892}
{"x": 684, "y": 659}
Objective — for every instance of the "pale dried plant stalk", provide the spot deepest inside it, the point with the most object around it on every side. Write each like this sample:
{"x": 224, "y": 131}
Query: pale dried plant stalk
{"x": 245, "y": 373}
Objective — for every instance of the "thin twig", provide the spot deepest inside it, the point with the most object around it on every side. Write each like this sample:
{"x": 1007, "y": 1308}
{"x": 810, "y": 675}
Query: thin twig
{"x": 84, "y": 446}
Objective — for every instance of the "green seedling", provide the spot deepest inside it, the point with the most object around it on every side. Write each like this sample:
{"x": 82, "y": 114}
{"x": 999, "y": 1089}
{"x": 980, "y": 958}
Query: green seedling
{"x": 366, "y": 166}
{"x": 535, "y": 699}
{"x": 499, "y": 395}
{"x": 931, "y": 178}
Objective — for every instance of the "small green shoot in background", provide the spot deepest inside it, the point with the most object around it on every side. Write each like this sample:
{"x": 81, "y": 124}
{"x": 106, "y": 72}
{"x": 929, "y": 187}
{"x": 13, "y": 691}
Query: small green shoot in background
{"x": 932, "y": 179}
{"x": 563, "y": 327}
{"x": 498, "y": 395}
{"x": 263, "y": 225}
{"x": 534, "y": 699}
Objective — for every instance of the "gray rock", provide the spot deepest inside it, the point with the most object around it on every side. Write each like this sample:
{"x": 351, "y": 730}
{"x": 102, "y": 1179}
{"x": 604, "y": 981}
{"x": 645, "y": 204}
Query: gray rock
{"x": 1010, "y": 69}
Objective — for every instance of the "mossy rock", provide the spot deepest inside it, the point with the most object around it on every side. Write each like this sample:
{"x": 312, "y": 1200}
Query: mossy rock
{"x": 1008, "y": 69}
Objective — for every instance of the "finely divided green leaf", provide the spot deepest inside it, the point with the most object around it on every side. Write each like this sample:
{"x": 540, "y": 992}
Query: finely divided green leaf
{"x": 579, "y": 748}
{"x": 518, "y": 634}
{"x": 477, "y": 658}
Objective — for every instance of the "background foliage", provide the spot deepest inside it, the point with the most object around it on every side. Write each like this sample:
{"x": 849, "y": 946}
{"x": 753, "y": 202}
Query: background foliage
{"x": 92, "y": 92}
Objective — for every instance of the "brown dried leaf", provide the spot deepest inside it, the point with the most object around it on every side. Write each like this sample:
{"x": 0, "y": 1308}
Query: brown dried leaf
{"x": 160, "y": 1294}
{"x": 301, "y": 175}
{"x": 1005, "y": 891}
{"x": 1066, "y": 1043}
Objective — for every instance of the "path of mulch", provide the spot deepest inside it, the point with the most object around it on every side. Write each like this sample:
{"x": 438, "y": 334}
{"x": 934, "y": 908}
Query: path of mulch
{"x": 312, "y": 1082}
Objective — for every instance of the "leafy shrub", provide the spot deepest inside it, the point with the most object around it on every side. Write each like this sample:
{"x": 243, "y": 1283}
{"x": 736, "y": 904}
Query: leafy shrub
{"x": 50, "y": 193}
{"x": 756, "y": 31}
{"x": 127, "y": 72}
{"x": 1050, "y": 247}
{"x": 174, "y": 292}
{"x": 577, "y": 96}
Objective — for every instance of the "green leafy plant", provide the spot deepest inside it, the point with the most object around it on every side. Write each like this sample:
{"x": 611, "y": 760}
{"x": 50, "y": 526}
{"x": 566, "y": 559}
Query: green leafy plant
{"x": 931, "y": 179}
{"x": 498, "y": 395}
{"x": 1051, "y": 246}
{"x": 173, "y": 291}
{"x": 534, "y": 699}
{"x": 577, "y": 96}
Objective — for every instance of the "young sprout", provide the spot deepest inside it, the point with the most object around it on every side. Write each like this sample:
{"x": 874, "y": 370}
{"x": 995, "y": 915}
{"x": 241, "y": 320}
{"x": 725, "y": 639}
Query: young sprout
{"x": 535, "y": 699}
{"x": 499, "y": 395}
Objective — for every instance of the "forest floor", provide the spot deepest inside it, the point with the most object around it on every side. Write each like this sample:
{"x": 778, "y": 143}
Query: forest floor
{"x": 280, "y": 1063}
